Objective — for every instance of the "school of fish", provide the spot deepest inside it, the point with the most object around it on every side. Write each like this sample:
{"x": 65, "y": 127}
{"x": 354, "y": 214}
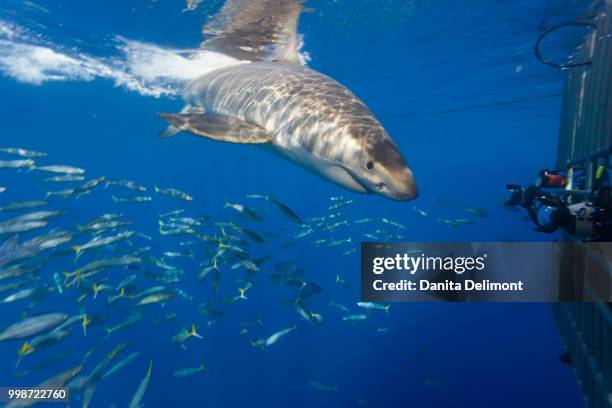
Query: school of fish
{"x": 118, "y": 274}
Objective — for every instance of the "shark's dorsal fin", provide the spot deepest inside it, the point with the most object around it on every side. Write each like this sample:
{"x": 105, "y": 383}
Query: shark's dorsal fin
{"x": 218, "y": 127}
{"x": 256, "y": 30}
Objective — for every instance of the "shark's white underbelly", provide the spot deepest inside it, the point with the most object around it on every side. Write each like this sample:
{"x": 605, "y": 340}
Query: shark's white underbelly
{"x": 323, "y": 168}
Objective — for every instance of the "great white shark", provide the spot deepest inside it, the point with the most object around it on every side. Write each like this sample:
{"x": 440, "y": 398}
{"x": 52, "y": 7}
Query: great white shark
{"x": 271, "y": 99}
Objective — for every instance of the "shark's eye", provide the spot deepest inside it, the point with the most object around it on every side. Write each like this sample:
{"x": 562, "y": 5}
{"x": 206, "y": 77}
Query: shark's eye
{"x": 370, "y": 165}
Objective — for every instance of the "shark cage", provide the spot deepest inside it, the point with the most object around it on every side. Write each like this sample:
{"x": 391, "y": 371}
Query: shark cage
{"x": 583, "y": 161}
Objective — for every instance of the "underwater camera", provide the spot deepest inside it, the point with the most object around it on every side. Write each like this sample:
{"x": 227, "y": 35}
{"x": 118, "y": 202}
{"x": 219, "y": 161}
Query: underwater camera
{"x": 587, "y": 219}
{"x": 549, "y": 179}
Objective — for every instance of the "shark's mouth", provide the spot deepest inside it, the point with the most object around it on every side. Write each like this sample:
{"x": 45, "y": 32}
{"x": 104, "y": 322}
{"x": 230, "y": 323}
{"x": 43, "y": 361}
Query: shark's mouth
{"x": 352, "y": 181}
{"x": 342, "y": 176}
{"x": 326, "y": 169}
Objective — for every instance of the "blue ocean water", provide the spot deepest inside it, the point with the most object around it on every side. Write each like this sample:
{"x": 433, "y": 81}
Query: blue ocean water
{"x": 457, "y": 87}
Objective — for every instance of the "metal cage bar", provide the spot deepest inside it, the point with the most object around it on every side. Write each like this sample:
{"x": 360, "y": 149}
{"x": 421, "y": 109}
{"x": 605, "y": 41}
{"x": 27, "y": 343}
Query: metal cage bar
{"x": 585, "y": 136}
{"x": 586, "y": 128}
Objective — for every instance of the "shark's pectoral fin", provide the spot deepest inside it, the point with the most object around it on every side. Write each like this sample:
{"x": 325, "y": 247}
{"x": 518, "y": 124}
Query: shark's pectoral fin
{"x": 218, "y": 127}
{"x": 169, "y": 132}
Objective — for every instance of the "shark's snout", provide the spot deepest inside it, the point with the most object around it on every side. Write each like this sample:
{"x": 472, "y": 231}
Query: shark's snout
{"x": 401, "y": 186}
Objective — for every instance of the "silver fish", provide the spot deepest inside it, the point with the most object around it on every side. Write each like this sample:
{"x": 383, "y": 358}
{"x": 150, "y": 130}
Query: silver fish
{"x": 137, "y": 199}
{"x": 142, "y": 388}
{"x": 43, "y": 341}
{"x": 340, "y": 204}
{"x": 341, "y": 307}
{"x": 276, "y": 336}
{"x": 68, "y": 178}
{"x": 103, "y": 226}
{"x": 17, "y": 151}
{"x": 127, "y": 322}
{"x": 66, "y": 193}
{"x": 20, "y": 205}
{"x": 192, "y": 5}
{"x": 186, "y": 372}
{"x": 55, "y": 382}
{"x": 479, "y": 212}
{"x": 348, "y": 252}
{"x": 171, "y": 213}
{"x": 48, "y": 241}
{"x": 419, "y": 211}
{"x": 322, "y": 387}
{"x": 395, "y": 223}
{"x": 20, "y": 295}
{"x": 36, "y": 216}
{"x": 120, "y": 364}
{"x": 373, "y": 306}
{"x": 32, "y": 326}
{"x": 16, "y": 164}
{"x": 99, "y": 242}
{"x": 61, "y": 169}
{"x": 11, "y": 250}
{"x": 126, "y": 184}
{"x": 244, "y": 210}
{"x": 355, "y": 317}
{"x": 21, "y": 226}
{"x": 173, "y": 192}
